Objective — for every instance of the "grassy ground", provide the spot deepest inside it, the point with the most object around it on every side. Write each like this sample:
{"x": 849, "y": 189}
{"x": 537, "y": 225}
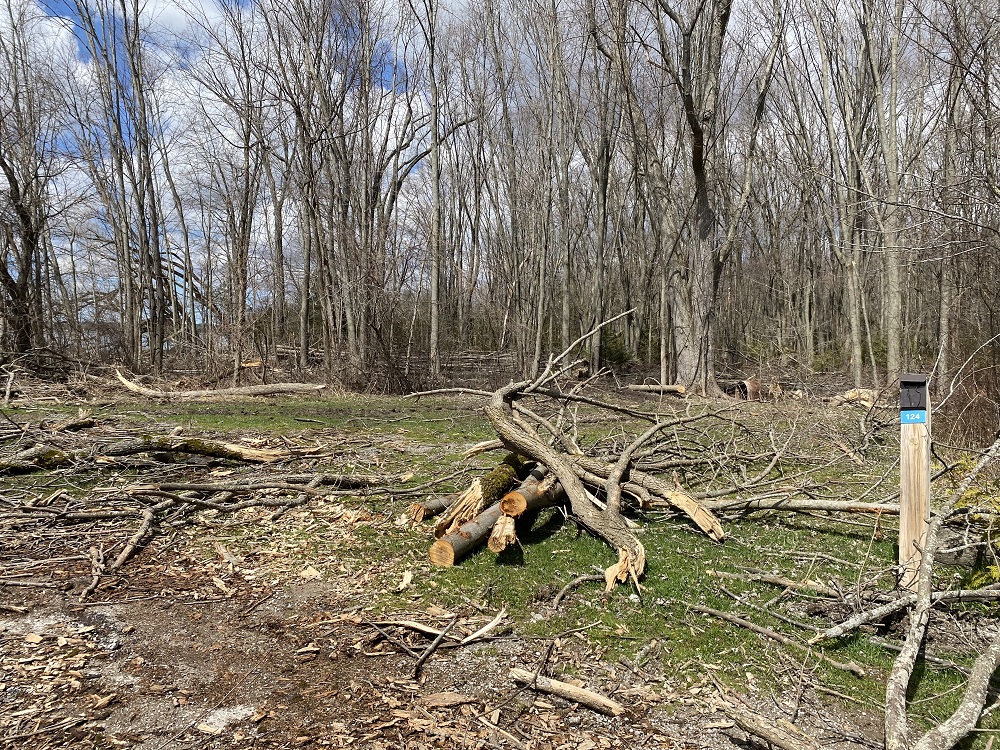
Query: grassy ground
{"x": 654, "y": 630}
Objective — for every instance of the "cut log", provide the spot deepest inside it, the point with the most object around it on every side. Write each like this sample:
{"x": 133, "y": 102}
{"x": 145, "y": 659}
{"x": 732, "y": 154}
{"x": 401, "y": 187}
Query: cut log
{"x": 451, "y": 548}
{"x": 580, "y": 695}
{"x": 431, "y": 507}
{"x": 483, "y": 492}
{"x": 675, "y": 390}
{"x": 455, "y": 545}
{"x": 539, "y": 490}
{"x": 250, "y": 390}
{"x": 529, "y": 494}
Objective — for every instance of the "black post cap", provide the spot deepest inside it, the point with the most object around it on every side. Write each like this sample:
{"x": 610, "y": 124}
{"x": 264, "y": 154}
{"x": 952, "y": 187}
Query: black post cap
{"x": 912, "y": 391}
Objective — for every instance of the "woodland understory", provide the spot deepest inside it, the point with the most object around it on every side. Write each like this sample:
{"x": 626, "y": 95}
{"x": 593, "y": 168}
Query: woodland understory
{"x": 387, "y": 195}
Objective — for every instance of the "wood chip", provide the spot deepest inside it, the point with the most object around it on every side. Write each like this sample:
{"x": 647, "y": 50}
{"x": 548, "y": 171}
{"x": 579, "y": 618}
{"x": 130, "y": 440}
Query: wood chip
{"x": 444, "y": 700}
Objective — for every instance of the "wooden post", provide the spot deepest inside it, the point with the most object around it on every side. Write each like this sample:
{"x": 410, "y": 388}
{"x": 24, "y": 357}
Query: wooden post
{"x": 914, "y": 474}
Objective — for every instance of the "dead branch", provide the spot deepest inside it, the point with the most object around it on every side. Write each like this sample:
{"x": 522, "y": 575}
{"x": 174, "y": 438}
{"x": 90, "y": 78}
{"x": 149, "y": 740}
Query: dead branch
{"x": 787, "y": 501}
{"x": 97, "y": 570}
{"x": 876, "y": 614}
{"x": 486, "y": 629}
{"x": 954, "y": 729}
{"x": 676, "y": 498}
{"x": 673, "y": 390}
{"x": 814, "y": 586}
{"x": 607, "y": 525}
{"x": 433, "y": 647}
{"x": 43, "y": 457}
{"x": 967, "y": 714}
{"x": 431, "y": 507}
{"x": 786, "y": 737}
{"x": 572, "y": 585}
{"x": 851, "y": 667}
{"x": 147, "y": 516}
{"x": 250, "y": 390}
{"x": 580, "y": 695}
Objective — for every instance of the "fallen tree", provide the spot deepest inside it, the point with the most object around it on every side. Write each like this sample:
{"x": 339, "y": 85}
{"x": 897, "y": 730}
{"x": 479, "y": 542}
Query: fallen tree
{"x": 267, "y": 389}
{"x": 44, "y": 456}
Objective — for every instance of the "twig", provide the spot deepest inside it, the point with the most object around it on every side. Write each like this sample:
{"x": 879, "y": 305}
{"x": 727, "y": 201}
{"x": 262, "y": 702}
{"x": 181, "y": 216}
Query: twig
{"x": 256, "y": 604}
{"x": 573, "y": 584}
{"x": 97, "y": 565}
{"x": 776, "y": 580}
{"x": 897, "y": 605}
{"x": 433, "y": 647}
{"x": 392, "y": 639}
{"x": 59, "y": 725}
{"x": 28, "y": 584}
{"x": 133, "y": 543}
{"x": 776, "y": 636}
{"x": 944, "y": 663}
{"x": 487, "y": 628}
{"x": 510, "y": 738}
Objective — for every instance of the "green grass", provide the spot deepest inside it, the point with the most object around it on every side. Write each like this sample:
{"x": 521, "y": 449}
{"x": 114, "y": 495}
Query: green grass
{"x": 427, "y": 436}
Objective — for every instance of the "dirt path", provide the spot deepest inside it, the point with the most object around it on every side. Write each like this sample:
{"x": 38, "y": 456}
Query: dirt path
{"x": 299, "y": 670}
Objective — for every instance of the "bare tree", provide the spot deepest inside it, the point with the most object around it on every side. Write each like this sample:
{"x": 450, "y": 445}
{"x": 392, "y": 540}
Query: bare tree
{"x": 28, "y": 133}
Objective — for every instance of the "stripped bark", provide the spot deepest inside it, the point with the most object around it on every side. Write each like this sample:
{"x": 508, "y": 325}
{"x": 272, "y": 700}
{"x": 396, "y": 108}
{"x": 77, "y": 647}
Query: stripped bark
{"x": 580, "y": 695}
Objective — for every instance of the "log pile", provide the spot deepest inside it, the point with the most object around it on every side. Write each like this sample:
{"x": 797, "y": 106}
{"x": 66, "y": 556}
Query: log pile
{"x": 487, "y": 512}
{"x": 598, "y": 490}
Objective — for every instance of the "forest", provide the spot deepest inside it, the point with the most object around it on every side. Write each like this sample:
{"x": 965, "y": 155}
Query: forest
{"x": 386, "y": 194}
{"x": 367, "y": 374}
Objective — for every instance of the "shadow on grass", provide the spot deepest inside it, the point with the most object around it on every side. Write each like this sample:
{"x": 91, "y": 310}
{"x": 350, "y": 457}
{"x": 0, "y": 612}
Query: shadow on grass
{"x": 530, "y": 531}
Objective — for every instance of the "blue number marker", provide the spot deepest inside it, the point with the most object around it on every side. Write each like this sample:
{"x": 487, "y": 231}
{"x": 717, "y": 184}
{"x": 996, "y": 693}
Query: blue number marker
{"x": 913, "y": 416}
